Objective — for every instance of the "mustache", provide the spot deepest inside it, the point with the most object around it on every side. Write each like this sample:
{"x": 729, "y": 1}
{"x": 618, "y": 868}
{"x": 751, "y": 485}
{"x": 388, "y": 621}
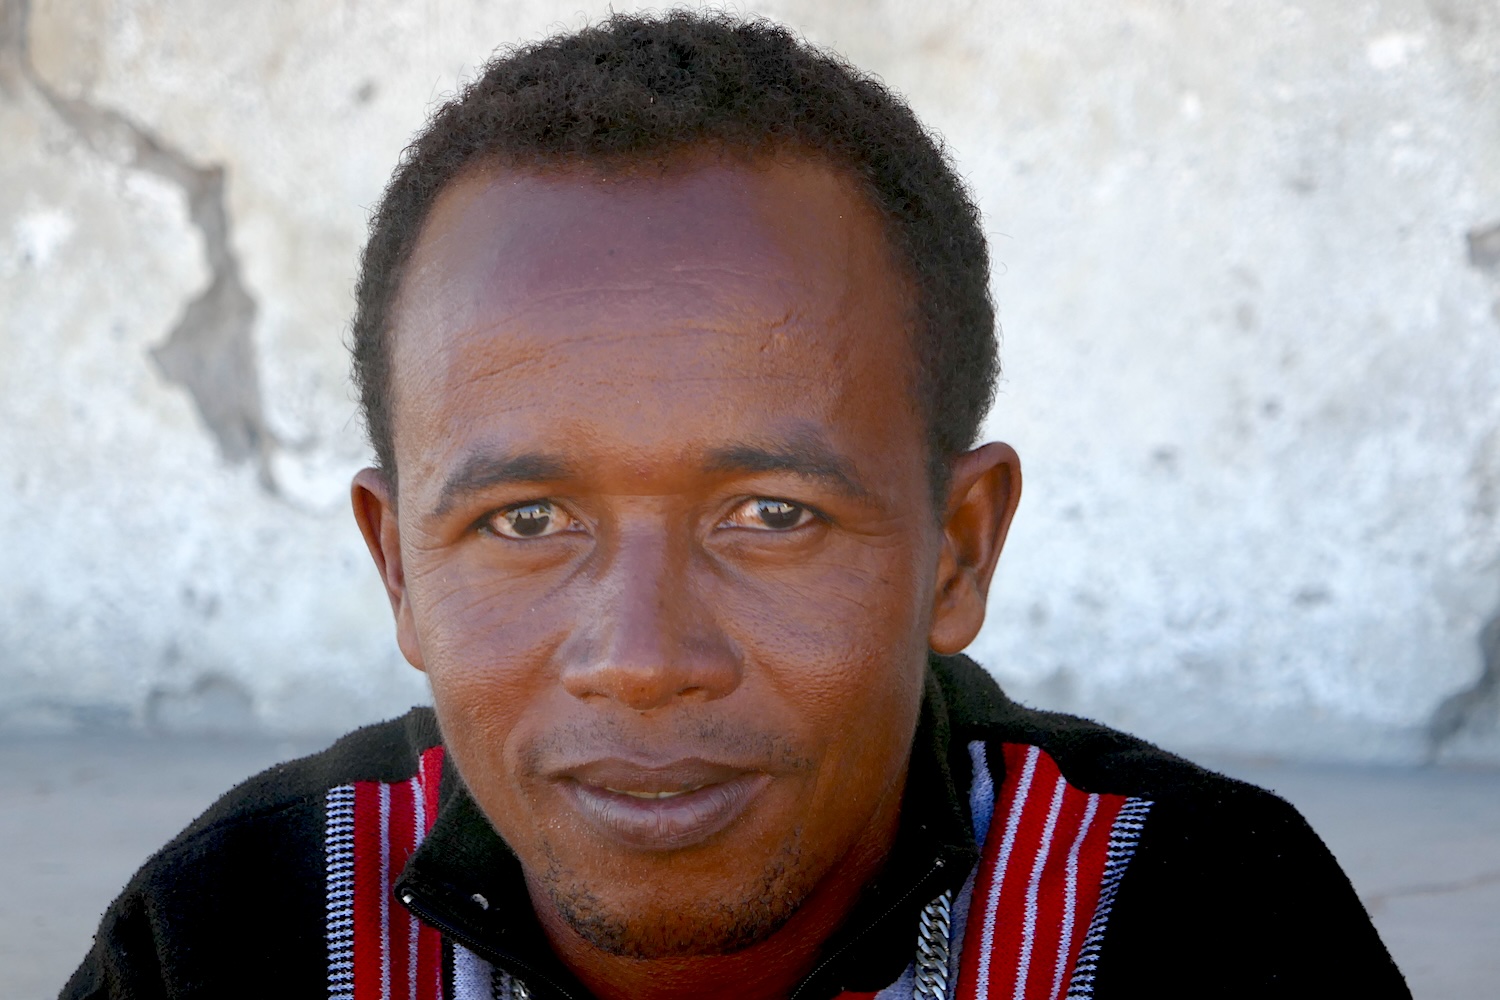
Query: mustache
{"x": 717, "y": 741}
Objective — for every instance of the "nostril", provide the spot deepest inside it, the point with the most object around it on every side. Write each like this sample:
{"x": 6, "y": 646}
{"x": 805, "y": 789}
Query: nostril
{"x": 644, "y": 675}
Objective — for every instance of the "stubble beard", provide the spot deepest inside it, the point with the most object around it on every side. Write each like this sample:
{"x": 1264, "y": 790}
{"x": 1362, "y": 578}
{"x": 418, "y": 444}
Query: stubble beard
{"x": 678, "y": 928}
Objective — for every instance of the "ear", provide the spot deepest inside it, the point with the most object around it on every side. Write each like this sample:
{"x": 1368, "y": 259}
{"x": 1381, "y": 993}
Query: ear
{"x": 982, "y": 496}
{"x": 375, "y": 512}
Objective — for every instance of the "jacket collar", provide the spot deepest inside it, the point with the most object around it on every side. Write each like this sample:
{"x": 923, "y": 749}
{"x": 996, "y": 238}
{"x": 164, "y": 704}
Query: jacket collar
{"x": 465, "y": 880}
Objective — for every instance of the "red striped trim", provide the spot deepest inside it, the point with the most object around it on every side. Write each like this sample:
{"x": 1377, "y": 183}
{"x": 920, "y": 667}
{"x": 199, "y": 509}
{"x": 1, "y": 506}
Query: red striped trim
{"x": 1038, "y": 882}
{"x": 1052, "y": 862}
{"x": 394, "y": 955}
{"x": 369, "y": 932}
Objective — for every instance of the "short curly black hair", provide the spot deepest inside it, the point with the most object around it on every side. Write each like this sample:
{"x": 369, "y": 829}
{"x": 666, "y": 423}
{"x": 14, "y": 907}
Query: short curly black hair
{"x": 647, "y": 86}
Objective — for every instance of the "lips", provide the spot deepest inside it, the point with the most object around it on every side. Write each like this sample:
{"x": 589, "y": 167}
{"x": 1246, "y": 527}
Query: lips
{"x": 660, "y": 808}
{"x": 652, "y": 795}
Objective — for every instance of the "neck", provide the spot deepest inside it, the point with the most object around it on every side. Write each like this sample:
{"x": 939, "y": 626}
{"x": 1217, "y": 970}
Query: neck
{"x": 767, "y": 970}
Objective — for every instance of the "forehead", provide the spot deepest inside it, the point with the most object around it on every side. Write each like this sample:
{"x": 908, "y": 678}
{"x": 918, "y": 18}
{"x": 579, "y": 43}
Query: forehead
{"x": 759, "y": 291}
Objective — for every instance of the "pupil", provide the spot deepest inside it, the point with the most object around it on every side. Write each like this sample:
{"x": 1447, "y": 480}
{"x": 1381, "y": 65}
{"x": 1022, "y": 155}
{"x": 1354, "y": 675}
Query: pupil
{"x": 531, "y": 520}
{"x": 779, "y": 513}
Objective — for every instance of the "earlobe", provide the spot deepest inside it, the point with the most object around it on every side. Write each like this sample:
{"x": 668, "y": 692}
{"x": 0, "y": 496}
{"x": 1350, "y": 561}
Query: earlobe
{"x": 374, "y": 503}
{"x": 984, "y": 491}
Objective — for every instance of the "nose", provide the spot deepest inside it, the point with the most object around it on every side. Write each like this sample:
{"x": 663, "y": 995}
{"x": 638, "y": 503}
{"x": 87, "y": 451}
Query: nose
{"x": 650, "y": 640}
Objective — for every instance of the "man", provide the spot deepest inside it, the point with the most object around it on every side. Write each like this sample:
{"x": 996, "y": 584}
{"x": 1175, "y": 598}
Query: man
{"x": 674, "y": 338}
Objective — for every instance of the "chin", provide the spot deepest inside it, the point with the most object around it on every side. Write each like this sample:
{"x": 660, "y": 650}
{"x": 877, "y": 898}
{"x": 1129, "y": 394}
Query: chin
{"x": 669, "y": 917}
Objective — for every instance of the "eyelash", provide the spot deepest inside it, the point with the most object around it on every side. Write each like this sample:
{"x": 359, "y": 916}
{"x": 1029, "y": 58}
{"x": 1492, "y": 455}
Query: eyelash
{"x": 812, "y": 514}
{"x": 488, "y": 522}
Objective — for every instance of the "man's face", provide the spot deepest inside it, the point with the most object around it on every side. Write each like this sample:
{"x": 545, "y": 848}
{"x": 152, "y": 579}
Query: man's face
{"x": 666, "y": 545}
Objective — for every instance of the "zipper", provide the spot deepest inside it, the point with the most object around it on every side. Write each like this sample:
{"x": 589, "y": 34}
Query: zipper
{"x": 410, "y": 900}
{"x": 936, "y": 867}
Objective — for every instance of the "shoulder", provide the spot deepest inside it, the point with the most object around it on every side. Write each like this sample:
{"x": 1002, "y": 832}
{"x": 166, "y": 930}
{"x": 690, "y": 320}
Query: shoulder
{"x": 1091, "y": 756}
{"x": 386, "y": 751}
{"x": 276, "y": 817}
{"x": 1196, "y": 819}
{"x": 1215, "y": 881}
{"x": 243, "y": 885}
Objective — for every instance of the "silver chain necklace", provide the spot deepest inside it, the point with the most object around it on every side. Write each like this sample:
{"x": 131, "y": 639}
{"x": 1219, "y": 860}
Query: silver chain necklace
{"x": 933, "y": 928}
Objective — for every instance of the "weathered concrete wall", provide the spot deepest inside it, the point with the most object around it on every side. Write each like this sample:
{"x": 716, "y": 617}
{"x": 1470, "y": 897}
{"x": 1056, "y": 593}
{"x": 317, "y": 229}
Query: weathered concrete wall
{"x": 1250, "y": 282}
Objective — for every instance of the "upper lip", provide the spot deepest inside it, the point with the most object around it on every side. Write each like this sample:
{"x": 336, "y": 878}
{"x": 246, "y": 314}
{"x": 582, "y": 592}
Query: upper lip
{"x": 632, "y": 777}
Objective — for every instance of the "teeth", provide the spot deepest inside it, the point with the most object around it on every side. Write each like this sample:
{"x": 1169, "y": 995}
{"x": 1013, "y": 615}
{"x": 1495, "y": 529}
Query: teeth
{"x": 652, "y": 795}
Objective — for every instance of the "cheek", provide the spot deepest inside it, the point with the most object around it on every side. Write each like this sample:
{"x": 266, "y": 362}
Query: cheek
{"x": 486, "y": 641}
{"x": 474, "y": 612}
{"x": 862, "y": 604}
{"x": 841, "y": 651}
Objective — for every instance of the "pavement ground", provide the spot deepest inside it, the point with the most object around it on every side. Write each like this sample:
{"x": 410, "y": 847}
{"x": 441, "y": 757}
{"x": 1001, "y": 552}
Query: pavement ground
{"x": 1422, "y": 846}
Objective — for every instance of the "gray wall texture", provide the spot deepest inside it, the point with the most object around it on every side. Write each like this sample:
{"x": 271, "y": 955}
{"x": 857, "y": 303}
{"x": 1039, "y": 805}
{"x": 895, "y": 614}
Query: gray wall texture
{"x": 1248, "y": 269}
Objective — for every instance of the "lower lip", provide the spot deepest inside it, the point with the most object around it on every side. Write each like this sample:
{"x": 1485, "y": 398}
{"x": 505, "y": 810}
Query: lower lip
{"x": 666, "y": 824}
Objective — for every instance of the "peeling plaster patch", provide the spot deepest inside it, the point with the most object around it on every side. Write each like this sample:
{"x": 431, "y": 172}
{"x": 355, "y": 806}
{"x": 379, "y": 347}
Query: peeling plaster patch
{"x": 13, "y": 17}
{"x": 209, "y": 352}
{"x": 1312, "y": 596}
{"x": 1477, "y": 706}
{"x": 1484, "y": 248}
{"x": 212, "y": 705}
{"x": 1470, "y": 707}
{"x": 1484, "y": 257}
{"x": 1484, "y": 474}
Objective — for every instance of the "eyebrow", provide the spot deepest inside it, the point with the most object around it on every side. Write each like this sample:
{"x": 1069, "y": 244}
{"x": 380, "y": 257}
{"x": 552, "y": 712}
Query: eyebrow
{"x": 480, "y": 472}
{"x": 808, "y": 457}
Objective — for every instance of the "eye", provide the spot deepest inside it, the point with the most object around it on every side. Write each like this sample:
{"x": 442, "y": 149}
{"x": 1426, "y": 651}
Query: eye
{"x": 530, "y": 520}
{"x": 769, "y": 514}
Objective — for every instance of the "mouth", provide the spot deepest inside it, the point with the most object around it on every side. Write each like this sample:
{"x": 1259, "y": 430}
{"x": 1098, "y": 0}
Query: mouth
{"x": 656, "y": 809}
{"x": 651, "y": 795}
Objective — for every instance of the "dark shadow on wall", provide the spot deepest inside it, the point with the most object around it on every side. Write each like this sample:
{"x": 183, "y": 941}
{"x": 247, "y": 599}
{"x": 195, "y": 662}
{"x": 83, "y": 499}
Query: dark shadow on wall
{"x": 1475, "y": 710}
{"x": 209, "y": 352}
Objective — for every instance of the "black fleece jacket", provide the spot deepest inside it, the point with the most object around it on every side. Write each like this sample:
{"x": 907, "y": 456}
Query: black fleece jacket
{"x": 1230, "y": 893}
